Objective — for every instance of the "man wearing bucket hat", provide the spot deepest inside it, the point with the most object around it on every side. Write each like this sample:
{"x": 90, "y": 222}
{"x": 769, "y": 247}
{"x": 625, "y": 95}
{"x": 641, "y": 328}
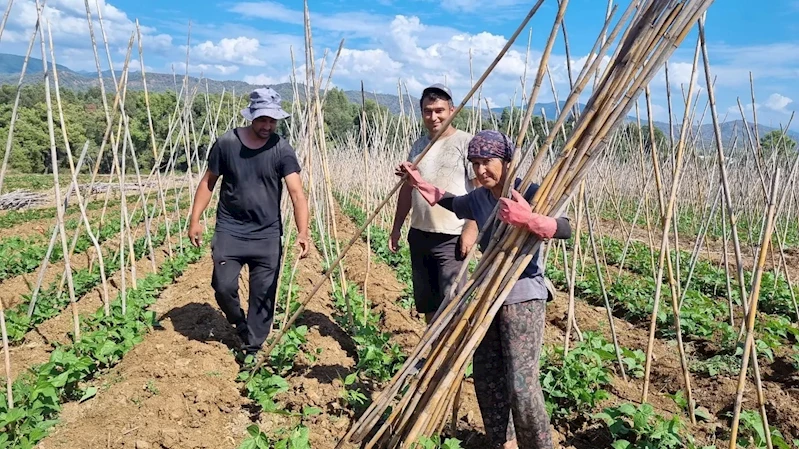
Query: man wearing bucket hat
{"x": 438, "y": 240}
{"x": 252, "y": 162}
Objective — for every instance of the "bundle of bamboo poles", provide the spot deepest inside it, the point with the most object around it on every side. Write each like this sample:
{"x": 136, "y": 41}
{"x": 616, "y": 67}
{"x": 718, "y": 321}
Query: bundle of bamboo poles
{"x": 424, "y": 389}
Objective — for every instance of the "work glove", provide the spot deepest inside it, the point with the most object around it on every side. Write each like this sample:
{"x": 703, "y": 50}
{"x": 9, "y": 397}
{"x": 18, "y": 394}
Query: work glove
{"x": 517, "y": 212}
{"x": 429, "y": 192}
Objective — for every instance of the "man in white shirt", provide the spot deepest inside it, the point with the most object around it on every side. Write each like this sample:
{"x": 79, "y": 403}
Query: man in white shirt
{"x": 438, "y": 240}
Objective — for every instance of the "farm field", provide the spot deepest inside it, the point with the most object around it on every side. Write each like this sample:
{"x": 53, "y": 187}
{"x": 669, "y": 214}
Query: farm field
{"x": 674, "y": 323}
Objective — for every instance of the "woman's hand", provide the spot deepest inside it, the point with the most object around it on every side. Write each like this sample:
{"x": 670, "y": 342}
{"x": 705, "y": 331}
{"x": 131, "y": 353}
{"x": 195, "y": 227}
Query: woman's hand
{"x": 429, "y": 192}
{"x": 517, "y": 212}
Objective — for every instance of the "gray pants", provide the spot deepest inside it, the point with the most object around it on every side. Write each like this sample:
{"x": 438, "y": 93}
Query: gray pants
{"x": 435, "y": 263}
{"x": 262, "y": 256}
{"x": 506, "y": 377}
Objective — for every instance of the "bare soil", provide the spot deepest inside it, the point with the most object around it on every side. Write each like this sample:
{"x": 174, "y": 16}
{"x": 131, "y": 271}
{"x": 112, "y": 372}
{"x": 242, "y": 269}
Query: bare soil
{"x": 177, "y": 389}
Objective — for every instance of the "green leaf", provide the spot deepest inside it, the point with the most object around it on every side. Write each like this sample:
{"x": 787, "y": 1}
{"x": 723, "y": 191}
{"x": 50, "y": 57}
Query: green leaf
{"x": 254, "y": 430}
{"x": 620, "y": 444}
{"x": 311, "y": 411}
{"x": 702, "y": 413}
{"x": 88, "y": 394}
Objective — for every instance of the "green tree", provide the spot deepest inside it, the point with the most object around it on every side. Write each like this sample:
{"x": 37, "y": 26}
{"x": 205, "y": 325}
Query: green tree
{"x": 778, "y": 142}
{"x": 340, "y": 114}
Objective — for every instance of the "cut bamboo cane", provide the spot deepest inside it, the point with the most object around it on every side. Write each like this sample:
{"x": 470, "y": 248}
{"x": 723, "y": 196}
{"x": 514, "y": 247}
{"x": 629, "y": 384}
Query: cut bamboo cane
{"x": 750, "y": 319}
{"x": 601, "y": 278}
{"x": 15, "y": 108}
{"x": 570, "y": 314}
{"x": 733, "y": 224}
{"x": 6, "y": 357}
{"x": 74, "y": 175}
{"x": 57, "y": 185}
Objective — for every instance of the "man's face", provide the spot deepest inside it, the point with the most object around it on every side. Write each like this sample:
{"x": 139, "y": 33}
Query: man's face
{"x": 435, "y": 113}
{"x": 264, "y": 126}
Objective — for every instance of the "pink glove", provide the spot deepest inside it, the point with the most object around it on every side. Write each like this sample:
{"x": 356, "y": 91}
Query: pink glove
{"x": 517, "y": 212}
{"x": 429, "y": 192}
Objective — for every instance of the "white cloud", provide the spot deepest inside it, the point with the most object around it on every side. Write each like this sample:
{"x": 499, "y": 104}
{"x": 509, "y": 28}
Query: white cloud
{"x": 68, "y": 24}
{"x": 239, "y": 50}
{"x": 265, "y": 80}
{"x": 206, "y": 69}
{"x": 778, "y": 103}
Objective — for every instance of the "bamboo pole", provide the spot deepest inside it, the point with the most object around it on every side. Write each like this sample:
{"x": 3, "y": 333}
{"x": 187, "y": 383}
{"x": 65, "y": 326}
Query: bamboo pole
{"x": 161, "y": 195}
{"x": 750, "y": 319}
{"x": 81, "y": 203}
{"x": 6, "y": 357}
{"x": 667, "y": 215}
{"x": 733, "y": 226}
{"x": 3, "y": 26}
{"x": 573, "y": 281}
{"x": 15, "y": 108}
{"x": 601, "y": 278}
{"x": 57, "y": 186}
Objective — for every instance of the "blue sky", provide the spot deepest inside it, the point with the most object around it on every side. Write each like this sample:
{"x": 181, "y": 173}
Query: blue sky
{"x": 417, "y": 42}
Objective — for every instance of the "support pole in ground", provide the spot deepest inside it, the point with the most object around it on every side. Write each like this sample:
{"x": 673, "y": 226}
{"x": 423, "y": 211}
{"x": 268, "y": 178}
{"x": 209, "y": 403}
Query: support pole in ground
{"x": 750, "y": 319}
{"x": 601, "y": 278}
{"x": 74, "y": 176}
{"x": 733, "y": 229}
{"x": 7, "y": 356}
{"x": 57, "y": 186}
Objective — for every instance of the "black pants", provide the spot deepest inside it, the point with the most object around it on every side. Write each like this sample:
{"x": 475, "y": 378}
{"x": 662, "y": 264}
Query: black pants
{"x": 506, "y": 377}
{"x": 435, "y": 263}
{"x": 262, "y": 256}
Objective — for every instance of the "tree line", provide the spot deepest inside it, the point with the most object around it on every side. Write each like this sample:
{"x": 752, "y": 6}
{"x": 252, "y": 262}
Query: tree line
{"x": 85, "y": 119}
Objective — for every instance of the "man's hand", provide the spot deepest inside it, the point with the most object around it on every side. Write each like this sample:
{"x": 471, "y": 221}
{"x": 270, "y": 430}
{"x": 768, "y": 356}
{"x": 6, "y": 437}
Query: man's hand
{"x": 393, "y": 241}
{"x": 196, "y": 233}
{"x": 468, "y": 237}
{"x": 302, "y": 241}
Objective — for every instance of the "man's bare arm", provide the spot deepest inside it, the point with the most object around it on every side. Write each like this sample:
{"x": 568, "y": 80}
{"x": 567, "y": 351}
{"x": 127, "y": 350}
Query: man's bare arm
{"x": 202, "y": 196}
{"x": 403, "y": 208}
{"x": 294, "y": 186}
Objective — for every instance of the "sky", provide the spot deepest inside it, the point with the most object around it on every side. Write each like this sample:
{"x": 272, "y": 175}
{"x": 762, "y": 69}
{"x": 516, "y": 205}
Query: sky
{"x": 419, "y": 42}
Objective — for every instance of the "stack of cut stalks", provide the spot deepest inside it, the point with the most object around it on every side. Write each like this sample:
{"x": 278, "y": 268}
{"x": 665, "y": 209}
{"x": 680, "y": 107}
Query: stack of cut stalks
{"x": 418, "y": 400}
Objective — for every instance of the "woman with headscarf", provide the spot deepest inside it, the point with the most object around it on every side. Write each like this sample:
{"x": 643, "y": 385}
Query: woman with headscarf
{"x": 512, "y": 406}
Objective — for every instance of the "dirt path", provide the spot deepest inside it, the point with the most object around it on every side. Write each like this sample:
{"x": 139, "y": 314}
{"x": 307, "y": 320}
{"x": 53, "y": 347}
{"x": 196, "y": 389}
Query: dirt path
{"x": 175, "y": 389}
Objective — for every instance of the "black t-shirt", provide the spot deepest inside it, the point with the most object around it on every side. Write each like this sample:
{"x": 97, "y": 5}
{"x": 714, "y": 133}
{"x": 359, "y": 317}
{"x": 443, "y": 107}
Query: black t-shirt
{"x": 249, "y": 202}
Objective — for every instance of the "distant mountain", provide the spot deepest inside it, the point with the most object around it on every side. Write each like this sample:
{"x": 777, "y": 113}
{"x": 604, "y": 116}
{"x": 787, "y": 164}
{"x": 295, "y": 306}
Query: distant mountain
{"x": 11, "y": 66}
{"x": 550, "y": 110}
{"x": 732, "y": 132}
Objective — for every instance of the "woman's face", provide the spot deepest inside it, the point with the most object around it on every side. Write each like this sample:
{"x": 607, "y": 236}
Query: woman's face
{"x": 490, "y": 171}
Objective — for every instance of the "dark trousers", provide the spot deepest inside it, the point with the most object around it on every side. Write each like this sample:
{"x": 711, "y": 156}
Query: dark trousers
{"x": 506, "y": 377}
{"x": 435, "y": 263}
{"x": 262, "y": 256}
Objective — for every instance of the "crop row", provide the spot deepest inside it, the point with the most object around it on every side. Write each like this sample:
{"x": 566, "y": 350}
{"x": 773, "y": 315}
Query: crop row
{"x": 690, "y": 224}
{"x": 40, "y": 393}
{"x": 52, "y": 299}
{"x": 701, "y": 316}
{"x": 23, "y": 255}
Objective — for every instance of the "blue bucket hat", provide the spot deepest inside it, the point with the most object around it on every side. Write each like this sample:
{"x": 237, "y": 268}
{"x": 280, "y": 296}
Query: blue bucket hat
{"x": 264, "y": 102}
